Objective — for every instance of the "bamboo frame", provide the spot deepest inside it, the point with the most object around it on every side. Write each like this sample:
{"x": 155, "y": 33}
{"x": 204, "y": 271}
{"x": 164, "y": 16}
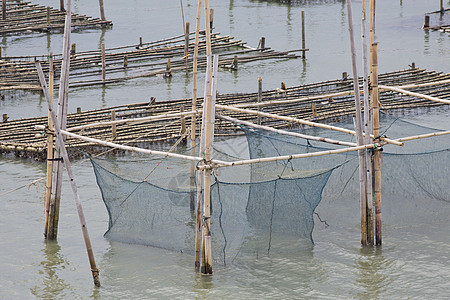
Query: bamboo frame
{"x": 399, "y": 90}
{"x": 61, "y": 145}
{"x": 50, "y": 141}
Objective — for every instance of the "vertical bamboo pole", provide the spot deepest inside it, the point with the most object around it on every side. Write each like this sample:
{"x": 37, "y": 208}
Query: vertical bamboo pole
{"x": 182, "y": 121}
{"x": 103, "y": 64}
{"x": 259, "y": 97}
{"x": 102, "y": 10}
{"x": 52, "y": 231}
{"x": 303, "y": 35}
{"x": 186, "y": 46}
{"x": 193, "y": 137}
{"x": 48, "y": 15}
{"x": 367, "y": 130}
{"x": 358, "y": 129}
{"x": 442, "y": 9}
{"x": 61, "y": 145}
{"x": 377, "y": 152}
{"x": 113, "y": 126}
{"x": 61, "y": 5}
{"x": 48, "y": 191}
{"x": 4, "y": 9}
{"x": 211, "y": 19}
{"x": 206, "y": 262}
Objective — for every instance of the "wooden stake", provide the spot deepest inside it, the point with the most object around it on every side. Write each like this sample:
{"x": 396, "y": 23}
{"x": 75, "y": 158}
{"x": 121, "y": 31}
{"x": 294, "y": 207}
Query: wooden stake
{"x": 102, "y": 10}
{"x": 442, "y": 10}
{"x": 358, "y": 129}
{"x": 377, "y": 152}
{"x": 168, "y": 72}
{"x": 73, "y": 50}
{"x": 103, "y": 64}
{"x": 314, "y": 109}
{"x": 367, "y": 139}
{"x": 61, "y": 145}
{"x": 426, "y": 24}
{"x": 125, "y": 61}
{"x": 61, "y": 5}
{"x": 113, "y": 126}
{"x": 303, "y": 36}
{"x": 211, "y": 19}
{"x": 50, "y": 141}
{"x": 48, "y": 15}
{"x": 259, "y": 98}
{"x": 186, "y": 46}
{"x": 182, "y": 121}
{"x": 52, "y": 231}
{"x": 193, "y": 138}
{"x": 4, "y": 9}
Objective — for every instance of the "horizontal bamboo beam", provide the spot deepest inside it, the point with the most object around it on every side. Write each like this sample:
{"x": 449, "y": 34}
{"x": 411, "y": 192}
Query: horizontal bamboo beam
{"x": 402, "y": 91}
{"x": 290, "y": 133}
{"x": 300, "y": 121}
{"x": 427, "y": 135}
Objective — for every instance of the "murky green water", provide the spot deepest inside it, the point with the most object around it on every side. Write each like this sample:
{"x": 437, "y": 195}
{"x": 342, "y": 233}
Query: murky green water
{"x": 413, "y": 262}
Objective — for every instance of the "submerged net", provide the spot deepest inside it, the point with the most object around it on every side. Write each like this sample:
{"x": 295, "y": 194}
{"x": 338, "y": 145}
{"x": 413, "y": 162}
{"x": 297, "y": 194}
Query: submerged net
{"x": 264, "y": 208}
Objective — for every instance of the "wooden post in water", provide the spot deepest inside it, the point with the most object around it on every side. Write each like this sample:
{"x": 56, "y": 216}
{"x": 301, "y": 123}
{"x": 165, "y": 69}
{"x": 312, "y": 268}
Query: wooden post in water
{"x": 102, "y": 10}
{"x": 48, "y": 15}
{"x": 61, "y": 5}
{"x": 198, "y": 225}
{"x": 168, "y": 72}
{"x": 113, "y": 126}
{"x": 50, "y": 140}
{"x": 73, "y": 50}
{"x": 52, "y": 231}
{"x": 103, "y": 64}
{"x": 367, "y": 130}
{"x": 358, "y": 129}
{"x": 206, "y": 262}
{"x": 182, "y": 121}
{"x": 186, "y": 46}
{"x": 262, "y": 43}
{"x": 442, "y": 9}
{"x": 303, "y": 35}
{"x": 61, "y": 145}
{"x": 377, "y": 152}
{"x": 426, "y": 24}
{"x": 4, "y": 9}
{"x": 211, "y": 19}
{"x": 5, "y": 118}
{"x": 259, "y": 98}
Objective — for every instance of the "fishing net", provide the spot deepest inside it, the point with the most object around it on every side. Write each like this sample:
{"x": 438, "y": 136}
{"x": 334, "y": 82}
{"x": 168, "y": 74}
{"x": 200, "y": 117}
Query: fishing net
{"x": 263, "y": 208}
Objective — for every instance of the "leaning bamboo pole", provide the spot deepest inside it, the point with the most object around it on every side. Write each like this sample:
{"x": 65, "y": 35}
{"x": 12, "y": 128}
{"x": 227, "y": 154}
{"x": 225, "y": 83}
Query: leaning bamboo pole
{"x": 358, "y": 129}
{"x": 50, "y": 141}
{"x": 290, "y": 133}
{"x": 68, "y": 165}
{"x": 52, "y": 231}
{"x": 367, "y": 140}
{"x": 300, "y": 121}
{"x": 422, "y": 136}
{"x": 206, "y": 262}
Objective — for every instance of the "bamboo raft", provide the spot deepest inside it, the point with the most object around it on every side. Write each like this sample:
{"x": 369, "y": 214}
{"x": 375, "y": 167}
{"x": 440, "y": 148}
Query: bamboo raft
{"x": 324, "y": 101}
{"x": 158, "y": 58}
{"x": 23, "y": 17}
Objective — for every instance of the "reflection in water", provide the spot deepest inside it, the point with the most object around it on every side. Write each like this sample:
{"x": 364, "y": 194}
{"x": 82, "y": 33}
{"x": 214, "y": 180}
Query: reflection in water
{"x": 52, "y": 286}
{"x": 303, "y": 72}
{"x": 373, "y": 273}
{"x": 49, "y": 42}
{"x": 102, "y": 38}
{"x": 426, "y": 42}
{"x": 104, "y": 102}
{"x": 202, "y": 286}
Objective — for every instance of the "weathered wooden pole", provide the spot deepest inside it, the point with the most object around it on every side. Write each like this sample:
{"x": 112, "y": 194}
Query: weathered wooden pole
{"x": 303, "y": 35}
{"x": 211, "y": 19}
{"x": 426, "y": 24}
{"x": 48, "y": 15}
{"x": 378, "y": 151}
{"x": 4, "y": 9}
{"x": 182, "y": 121}
{"x": 358, "y": 129}
{"x": 61, "y": 145}
{"x": 259, "y": 98}
{"x": 102, "y": 10}
{"x": 103, "y": 64}
{"x": 206, "y": 262}
{"x": 367, "y": 130}
{"x": 186, "y": 46}
{"x": 193, "y": 138}
{"x": 113, "y": 126}
{"x": 442, "y": 9}
{"x": 50, "y": 141}
{"x": 61, "y": 5}
{"x": 52, "y": 231}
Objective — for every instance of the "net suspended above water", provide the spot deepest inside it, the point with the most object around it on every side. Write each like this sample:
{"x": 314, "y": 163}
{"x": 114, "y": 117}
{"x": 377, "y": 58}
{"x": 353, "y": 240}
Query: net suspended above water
{"x": 263, "y": 208}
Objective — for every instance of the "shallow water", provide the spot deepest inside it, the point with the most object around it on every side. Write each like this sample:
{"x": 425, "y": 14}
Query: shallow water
{"x": 413, "y": 262}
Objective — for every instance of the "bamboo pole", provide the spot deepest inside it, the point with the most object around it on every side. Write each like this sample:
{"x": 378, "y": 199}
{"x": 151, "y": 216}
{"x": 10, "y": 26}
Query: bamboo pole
{"x": 358, "y": 129}
{"x": 113, "y": 126}
{"x": 103, "y": 64}
{"x": 194, "y": 129}
{"x": 52, "y": 231}
{"x": 61, "y": 144}
{"x": 300, "y": 121}
{"x": 422, "y": 136}
{"x": 259, "y": 98}
{"x": 402, "y": 91}
{"x": 186, "y": 46}
{"x": 303, "y": 36}
{"x": 206, "y": 262}
{"x": 290, "y": 133}
{"x": 367, "y": 140}
{"x": 50, "y": 141}
{"x": 102, "y": 10}
{"x": 4, "y": 9}
{"x": 377, "y": 152}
